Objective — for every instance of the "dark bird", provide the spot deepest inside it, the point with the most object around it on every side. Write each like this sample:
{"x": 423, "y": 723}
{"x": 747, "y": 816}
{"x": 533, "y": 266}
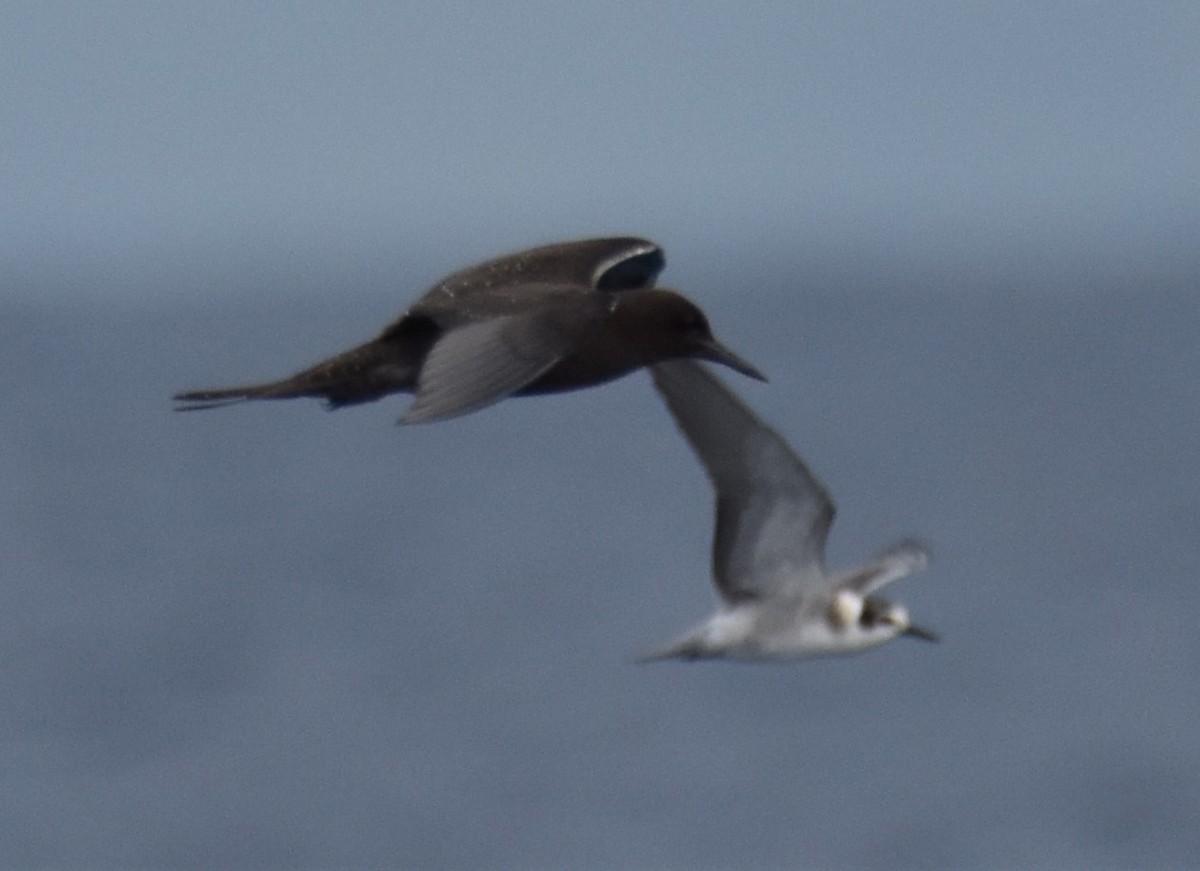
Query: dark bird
{"x": 558, "y": 317}
{"x": 773, "y": 516}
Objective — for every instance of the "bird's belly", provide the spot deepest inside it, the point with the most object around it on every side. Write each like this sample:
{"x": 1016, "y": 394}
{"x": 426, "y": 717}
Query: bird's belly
{"x": 577, "y": 371}
{"x": 797, "y": 636}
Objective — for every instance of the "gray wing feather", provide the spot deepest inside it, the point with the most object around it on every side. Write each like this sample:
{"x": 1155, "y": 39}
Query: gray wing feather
{"x": 773, "y": 515}
{"x": 484, "y": 361}
{"x": 902, "y": 559}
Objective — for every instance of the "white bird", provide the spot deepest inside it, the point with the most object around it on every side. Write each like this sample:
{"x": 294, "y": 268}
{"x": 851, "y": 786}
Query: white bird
{"x": 773, "y": 517}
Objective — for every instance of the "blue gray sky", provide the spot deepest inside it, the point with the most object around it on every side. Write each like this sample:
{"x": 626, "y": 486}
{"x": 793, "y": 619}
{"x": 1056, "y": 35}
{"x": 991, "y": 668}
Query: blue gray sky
{"x": 959, "y": 238}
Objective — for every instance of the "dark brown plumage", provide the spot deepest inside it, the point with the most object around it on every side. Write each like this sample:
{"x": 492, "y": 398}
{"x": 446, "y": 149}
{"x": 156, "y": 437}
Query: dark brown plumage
{"x": 554, "y": 318}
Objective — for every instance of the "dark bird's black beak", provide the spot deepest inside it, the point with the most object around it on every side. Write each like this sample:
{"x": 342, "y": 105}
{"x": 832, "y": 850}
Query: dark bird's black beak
{"x": 715, "y": 352}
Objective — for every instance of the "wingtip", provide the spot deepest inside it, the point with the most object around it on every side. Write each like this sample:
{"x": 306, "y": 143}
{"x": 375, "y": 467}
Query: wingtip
{"x": 419, "y": 413}
{"x": 917, "y": 551}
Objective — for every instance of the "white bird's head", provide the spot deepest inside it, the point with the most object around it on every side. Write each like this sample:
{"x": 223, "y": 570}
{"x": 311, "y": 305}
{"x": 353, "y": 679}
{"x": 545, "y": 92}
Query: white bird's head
{"x": 867, "y": 621}
{"x": 892, "y": 619}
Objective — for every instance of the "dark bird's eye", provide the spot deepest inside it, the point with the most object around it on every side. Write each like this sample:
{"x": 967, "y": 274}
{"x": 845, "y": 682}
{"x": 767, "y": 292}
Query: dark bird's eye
{"x": 692, "y": 322}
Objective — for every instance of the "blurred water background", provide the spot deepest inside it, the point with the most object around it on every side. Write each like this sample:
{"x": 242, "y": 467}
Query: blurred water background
{"x": 959, "y": 238}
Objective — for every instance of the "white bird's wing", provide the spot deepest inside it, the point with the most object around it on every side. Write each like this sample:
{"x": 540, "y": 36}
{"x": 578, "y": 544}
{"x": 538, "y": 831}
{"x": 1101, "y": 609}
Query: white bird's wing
{"x": 900, "y": 560}
{"x": 773, "y": 515}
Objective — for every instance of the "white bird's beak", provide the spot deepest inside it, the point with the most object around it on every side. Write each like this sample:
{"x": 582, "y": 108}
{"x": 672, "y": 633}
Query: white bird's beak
{"x": 898, "y": 617}
{"x": 918, "y": 632}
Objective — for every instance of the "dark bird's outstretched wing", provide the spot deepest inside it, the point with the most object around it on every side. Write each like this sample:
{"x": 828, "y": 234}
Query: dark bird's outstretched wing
{"x": 609, "y": 263}
{"x": 481, "y": 362}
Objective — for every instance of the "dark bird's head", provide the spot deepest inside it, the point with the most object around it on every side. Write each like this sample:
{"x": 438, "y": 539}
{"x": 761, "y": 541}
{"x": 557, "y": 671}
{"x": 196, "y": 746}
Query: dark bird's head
{"x": 657, "y": 324}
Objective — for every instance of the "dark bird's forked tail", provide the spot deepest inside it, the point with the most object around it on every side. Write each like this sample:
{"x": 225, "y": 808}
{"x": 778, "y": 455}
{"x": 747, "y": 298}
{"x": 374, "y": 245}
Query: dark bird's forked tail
{"x": 363, "y": 374}
{"x": 196, "y": 400}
